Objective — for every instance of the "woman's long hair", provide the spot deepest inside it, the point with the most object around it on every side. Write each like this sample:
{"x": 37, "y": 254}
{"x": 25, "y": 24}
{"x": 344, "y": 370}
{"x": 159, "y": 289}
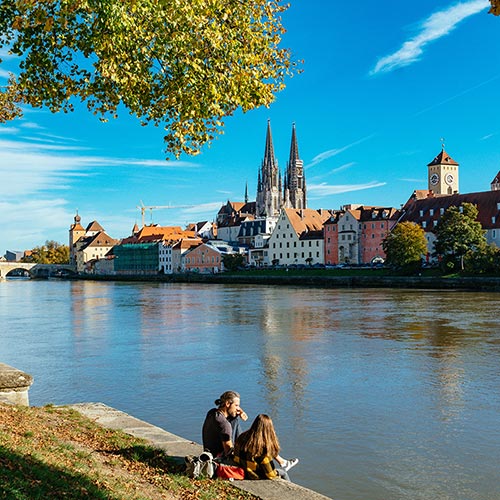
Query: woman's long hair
{"x": 260, "y": 439}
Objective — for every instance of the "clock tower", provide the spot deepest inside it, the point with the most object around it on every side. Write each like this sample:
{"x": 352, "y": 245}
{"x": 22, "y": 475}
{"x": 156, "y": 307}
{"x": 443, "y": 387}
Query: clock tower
{"x": 443, "y": 174}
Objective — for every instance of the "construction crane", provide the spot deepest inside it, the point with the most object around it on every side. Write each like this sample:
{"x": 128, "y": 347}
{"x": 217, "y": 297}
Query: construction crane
{"x": 143, "y": 209}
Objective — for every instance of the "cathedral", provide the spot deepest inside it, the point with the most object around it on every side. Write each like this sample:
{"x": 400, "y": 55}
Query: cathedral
{"x": 273, "y": 192}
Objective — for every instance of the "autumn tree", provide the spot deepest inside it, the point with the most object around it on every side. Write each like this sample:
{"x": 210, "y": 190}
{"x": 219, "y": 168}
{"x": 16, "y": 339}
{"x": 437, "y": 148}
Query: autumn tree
{"x": 495, "y": 7}
{"x": 50, "y": 253}
{"x": 458, "y": 231}
{"x": 181, "y": 64}
{"x": 404, "y": 246}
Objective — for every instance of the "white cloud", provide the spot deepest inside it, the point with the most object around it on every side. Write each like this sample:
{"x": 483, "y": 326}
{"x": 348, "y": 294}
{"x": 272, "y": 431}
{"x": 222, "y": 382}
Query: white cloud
{"x": 324, "y": 189}
{"x": 345, "y": 166}
{"x": 488, "y": 136}
{"x": 37, "y": 218}
{"x": 35, "y": 177}
{"x": 204, "y": 208}
{"x": 333, "y": 152}
{"x": 434, "y": 27}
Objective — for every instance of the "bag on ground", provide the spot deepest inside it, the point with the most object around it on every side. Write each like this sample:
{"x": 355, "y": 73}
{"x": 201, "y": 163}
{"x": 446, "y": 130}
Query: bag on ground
{"x": 200, "y": 467}
{"x": 228, "y": 469}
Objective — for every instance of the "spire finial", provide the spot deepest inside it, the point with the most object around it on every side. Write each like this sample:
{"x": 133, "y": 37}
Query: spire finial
{"x": 442, "y": 142}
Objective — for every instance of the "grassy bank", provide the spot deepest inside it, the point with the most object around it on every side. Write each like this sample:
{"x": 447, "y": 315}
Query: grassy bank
{"x": 52, "y": 452}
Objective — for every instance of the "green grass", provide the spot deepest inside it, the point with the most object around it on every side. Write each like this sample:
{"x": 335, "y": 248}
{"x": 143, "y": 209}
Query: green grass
{"x": 57, "y": 453}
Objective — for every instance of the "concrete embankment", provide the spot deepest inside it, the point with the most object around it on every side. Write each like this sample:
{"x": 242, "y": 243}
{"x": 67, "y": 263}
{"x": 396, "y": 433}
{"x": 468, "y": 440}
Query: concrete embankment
{"x": 178, "y": 447}
{"x": 474, "y": 284}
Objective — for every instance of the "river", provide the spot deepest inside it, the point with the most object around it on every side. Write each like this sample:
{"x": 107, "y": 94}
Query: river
{"x": 382, "y": 394}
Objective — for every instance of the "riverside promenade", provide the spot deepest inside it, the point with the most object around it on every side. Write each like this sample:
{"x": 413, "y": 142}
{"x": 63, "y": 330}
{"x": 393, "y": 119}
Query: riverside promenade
{"x": 178, "y": 447}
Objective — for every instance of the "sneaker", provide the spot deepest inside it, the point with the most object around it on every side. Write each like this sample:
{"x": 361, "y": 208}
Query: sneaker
{"x": 290, "y": 463}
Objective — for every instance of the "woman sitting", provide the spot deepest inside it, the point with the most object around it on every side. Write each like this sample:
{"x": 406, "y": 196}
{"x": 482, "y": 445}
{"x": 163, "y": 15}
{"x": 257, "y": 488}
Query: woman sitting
{"x": 256, "y": 450}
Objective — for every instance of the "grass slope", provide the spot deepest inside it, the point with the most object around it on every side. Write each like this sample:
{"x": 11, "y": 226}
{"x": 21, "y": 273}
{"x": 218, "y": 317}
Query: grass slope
{"x": 52, "y": 452}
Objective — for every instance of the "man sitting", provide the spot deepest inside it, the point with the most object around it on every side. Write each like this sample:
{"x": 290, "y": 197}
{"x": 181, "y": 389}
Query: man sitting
{"x": 222, "y": 425}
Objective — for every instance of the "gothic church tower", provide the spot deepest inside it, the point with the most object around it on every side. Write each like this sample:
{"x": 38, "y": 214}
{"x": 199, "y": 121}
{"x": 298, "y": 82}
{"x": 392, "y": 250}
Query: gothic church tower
{"x": 295, "y": 182}
{"x": 269, "y": 198}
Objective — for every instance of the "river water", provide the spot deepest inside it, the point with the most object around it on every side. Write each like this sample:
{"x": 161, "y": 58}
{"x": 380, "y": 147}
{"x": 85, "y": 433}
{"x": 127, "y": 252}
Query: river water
{"x": 382, "y": 394}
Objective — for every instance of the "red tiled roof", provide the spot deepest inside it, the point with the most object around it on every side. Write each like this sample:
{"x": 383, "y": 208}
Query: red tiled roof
{"x": 429, "y": 209}
{"x": 94, "y": 226}
{"x": 496, "y": 180}
{"x": 306, "y": 220}
{"x": 443, "y": 158}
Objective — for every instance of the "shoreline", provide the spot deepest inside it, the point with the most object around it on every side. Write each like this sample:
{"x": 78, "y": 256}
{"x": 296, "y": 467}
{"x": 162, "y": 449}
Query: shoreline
{"x": 471, "y": 284}
{"x": 178, "y": 447}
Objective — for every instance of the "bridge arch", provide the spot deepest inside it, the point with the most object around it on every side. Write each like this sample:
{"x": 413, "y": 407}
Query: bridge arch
{"x": 37, "y": 270}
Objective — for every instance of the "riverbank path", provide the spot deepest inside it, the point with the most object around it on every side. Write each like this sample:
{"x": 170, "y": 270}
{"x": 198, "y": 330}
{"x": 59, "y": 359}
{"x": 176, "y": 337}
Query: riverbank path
{"x": 178, "y": 447}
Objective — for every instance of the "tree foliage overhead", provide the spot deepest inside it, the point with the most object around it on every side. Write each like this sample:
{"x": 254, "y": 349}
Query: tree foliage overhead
{"x": 495, "y": 7}
{"x": 181, "y": 64}
{"x": 405, "y": 245}
{"x": 458, "y": 231}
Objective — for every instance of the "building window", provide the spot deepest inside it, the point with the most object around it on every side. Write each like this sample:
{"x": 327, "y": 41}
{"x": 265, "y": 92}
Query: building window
{"x": 424, "y": 224}
{"x": 421, "y": 213}
{"x": 441, "y": 211}
{"x": 431, "y": 212}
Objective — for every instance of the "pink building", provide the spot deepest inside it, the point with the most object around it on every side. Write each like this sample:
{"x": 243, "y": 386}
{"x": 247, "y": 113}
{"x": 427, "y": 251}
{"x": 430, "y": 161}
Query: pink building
{"x": 203, "y": 259}
{"x": 354, "y": 234}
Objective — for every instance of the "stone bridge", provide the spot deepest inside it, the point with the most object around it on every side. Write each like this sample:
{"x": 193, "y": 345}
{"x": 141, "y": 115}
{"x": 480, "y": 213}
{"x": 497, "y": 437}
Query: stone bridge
{"x": 37, "y": 270}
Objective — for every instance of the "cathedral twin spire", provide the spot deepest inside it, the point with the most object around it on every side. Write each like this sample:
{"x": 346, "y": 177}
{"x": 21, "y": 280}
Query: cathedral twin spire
{"x": 272, "y": 195}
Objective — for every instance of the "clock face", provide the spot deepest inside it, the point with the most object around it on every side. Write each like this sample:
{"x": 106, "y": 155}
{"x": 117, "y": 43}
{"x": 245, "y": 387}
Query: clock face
{"x": 449, "y": 179}
{"x": 434, "y": 179}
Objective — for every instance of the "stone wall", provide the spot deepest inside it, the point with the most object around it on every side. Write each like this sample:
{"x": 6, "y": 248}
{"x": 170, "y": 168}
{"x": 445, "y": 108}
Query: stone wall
{"x": 14, "y": 385}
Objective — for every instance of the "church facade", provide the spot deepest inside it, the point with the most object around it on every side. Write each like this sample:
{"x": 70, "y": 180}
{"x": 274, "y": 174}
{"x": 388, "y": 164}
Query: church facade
{"x": 274, "y": 192}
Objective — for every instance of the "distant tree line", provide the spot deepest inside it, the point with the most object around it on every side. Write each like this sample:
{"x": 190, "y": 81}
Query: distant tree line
{"x": 50, "y": 253}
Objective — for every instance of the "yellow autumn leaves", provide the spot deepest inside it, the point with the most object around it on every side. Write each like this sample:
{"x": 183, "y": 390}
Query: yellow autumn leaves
{"x": 182, "y": 65}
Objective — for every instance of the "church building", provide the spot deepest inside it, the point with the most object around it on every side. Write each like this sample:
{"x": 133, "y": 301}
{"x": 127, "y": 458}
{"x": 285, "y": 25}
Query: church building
{"x": 272, "y": 193}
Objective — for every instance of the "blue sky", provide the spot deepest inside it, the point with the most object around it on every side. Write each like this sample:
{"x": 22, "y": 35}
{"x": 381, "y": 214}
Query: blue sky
{"x": 379, "y": 90}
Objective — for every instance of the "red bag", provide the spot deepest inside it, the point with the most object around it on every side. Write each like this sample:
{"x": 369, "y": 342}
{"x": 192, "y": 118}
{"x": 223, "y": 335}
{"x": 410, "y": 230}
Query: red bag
{"x": 229, "y": 472}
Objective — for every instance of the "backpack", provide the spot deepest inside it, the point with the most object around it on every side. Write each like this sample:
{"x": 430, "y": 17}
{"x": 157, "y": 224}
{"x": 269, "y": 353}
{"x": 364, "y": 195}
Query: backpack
{"x": 200, "y": 467}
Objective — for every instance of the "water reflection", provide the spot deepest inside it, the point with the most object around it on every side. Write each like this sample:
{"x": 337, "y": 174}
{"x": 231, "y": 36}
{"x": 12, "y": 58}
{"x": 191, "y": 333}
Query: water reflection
{"x": 383, "y": 394}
